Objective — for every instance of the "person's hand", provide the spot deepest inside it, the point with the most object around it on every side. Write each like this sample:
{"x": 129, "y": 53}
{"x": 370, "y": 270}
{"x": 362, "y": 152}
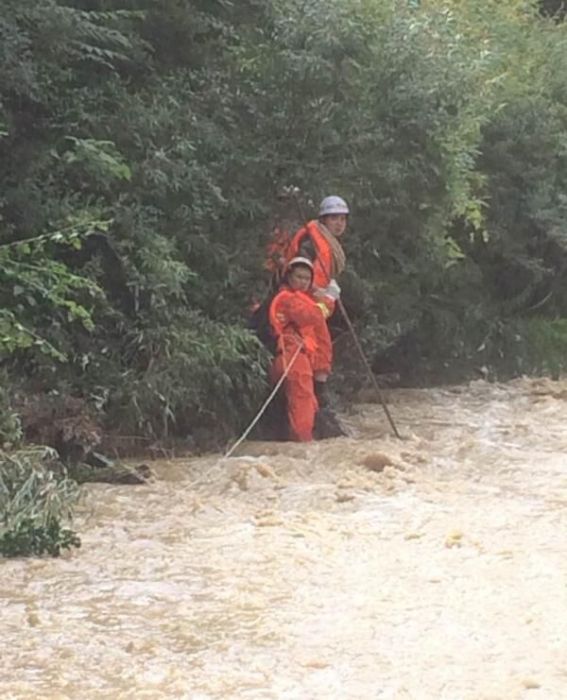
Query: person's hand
{"x": 333, "y": 290}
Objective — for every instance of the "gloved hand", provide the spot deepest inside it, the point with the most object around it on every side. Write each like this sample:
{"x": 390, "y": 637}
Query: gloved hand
{"x": 333, "y": 291}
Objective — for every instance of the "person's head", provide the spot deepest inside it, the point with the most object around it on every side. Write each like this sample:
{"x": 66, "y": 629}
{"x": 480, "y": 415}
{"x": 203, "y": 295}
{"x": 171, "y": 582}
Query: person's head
{"x": 299, "y": 274}
{"x": 333, "y": 214}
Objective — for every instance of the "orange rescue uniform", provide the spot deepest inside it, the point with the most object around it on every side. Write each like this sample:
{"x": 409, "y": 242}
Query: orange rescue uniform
{"x": 298, "y": 323}
{"x": 322, "y": 262}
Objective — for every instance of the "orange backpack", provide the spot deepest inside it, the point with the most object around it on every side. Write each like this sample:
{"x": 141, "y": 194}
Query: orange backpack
{"x": 277, "y": 254}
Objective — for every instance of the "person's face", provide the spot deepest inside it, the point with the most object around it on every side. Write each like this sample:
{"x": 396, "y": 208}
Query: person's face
{"x": 299, "y": 278}
{"x": 336, "y": 223}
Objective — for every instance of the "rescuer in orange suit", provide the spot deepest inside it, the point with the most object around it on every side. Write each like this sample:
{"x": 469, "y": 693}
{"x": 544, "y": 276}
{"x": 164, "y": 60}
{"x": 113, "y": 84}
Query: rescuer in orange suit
{"x": 319, "y": 241}
{"x": 303, "y": 346}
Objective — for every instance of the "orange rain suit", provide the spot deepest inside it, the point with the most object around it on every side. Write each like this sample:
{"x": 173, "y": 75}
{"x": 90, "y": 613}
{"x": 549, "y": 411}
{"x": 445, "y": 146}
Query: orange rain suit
{"x": 322, "y": 260}
{"x": 302, "y": 333}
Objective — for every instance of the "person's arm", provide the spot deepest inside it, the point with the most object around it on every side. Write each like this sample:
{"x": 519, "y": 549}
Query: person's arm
{"x": 304, "y": 313}
{"x": 325, "y": 289}
{"x": 327, "y": 297}
{"x": 299, "y": 310}
{"x": 323, "y": 356}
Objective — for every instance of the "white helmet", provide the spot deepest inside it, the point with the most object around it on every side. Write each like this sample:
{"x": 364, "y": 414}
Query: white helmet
{"x": 333, "y": 205}
{"x": 299, "y": 260}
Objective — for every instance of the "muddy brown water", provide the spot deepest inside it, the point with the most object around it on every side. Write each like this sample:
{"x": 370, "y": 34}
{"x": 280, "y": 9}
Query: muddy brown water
{"x": 433, "y": 568}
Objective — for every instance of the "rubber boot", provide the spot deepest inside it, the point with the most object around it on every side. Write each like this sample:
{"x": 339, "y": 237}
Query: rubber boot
{"x": 327, "y": 424}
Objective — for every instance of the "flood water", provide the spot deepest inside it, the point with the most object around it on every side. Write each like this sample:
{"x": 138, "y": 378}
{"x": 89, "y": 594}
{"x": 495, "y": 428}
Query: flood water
{"x": 432, "y": 568}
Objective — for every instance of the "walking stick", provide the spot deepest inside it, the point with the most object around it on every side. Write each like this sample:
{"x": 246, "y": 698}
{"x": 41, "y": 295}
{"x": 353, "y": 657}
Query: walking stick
{"x": 356, "y": 341}
{"x": 368, "y": 367}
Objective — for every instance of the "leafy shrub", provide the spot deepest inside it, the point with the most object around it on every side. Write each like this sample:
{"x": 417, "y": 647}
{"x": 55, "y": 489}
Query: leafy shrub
{"x": 191, "y": 377}
{"x": 143, "y": 152}
{"x": 10, "y": 425}
{"x": 36, "y": 500}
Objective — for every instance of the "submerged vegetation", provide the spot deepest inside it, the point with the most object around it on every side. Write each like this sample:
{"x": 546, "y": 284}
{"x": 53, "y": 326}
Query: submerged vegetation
{"x": 144, "y": 150}
{"x": 36, "y": 502}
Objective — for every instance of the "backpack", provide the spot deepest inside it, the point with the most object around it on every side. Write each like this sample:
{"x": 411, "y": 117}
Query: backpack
{"x": 276, "y": 257}
{"x": 259, "y": 323}
{"x": 277, "y": 254}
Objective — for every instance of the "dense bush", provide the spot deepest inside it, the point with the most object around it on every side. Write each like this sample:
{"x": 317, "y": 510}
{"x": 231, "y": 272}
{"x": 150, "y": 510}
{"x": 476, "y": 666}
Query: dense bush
{"x": 36, "y": 501}
{"x": 10, "y": 424}
{"x": 144, "y": 149}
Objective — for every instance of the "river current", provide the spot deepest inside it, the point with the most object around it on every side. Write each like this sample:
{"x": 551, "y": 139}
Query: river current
{"x": 371, "y": 568}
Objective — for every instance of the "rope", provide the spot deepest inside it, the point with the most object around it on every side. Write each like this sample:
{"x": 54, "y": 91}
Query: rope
{"x": 253, "y": 423}
{"x": 264, "y": 405}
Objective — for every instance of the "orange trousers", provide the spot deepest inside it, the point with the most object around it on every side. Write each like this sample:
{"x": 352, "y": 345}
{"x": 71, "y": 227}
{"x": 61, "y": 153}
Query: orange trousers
{"x": 300, "y": 395}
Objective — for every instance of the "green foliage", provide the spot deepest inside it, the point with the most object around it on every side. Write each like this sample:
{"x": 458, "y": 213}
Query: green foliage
{"x": 541, "y": 346}
{"x": 10, "y": 426}
{"x": 33, "y": 284}
{"x": 196, "y": 378}
{"x": 26, "y": 539}
{"x": 99, "y": 159}
{"x": 144, "y": 148}
{"x": 36, "y": 498}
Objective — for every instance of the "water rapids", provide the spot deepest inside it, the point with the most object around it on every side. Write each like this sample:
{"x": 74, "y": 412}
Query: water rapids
{"x": 432, "y": 568}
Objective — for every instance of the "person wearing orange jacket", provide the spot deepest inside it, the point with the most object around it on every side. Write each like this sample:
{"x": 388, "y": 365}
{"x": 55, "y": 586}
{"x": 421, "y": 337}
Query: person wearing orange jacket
{"x": 319, "y": 241}
{"x": 303, "y": 343}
